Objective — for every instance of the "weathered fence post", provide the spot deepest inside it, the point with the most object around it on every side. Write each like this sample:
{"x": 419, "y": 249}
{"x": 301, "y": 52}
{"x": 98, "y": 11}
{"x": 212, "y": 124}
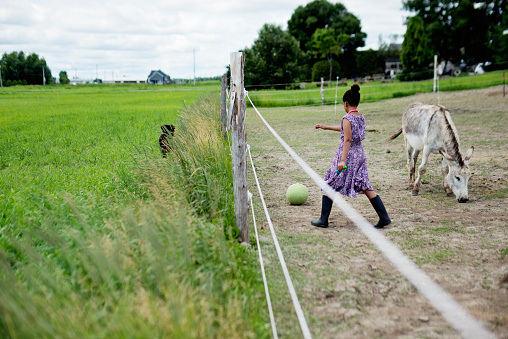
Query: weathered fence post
{"x": 322, "y": 91}
{"x": 239, "y": 145}
{"x": 223, "y": 103}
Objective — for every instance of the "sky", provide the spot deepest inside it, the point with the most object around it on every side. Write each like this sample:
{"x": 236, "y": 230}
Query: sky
{"x": 126, "y": 39}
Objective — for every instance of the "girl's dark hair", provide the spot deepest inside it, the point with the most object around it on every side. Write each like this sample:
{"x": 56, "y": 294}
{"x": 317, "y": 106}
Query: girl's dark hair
{"x": 352, "y": 96}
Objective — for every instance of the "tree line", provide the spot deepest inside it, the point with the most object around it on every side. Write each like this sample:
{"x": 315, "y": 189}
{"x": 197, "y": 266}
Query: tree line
{"x": 459, "y": 31}
{"x": 322, "y": 40}
{"x": 19, "y": 69}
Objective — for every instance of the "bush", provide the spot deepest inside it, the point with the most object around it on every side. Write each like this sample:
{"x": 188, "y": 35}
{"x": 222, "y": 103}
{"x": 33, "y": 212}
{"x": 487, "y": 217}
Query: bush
{"x": 321, "y": 69}
{"x": 415, "y": 76}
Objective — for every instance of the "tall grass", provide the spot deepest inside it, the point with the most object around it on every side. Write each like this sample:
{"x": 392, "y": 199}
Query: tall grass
{"x": 161, "y": 264}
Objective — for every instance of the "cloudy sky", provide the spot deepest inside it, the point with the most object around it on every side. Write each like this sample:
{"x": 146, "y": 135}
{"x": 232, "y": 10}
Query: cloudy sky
{"x": 128, "y": 38}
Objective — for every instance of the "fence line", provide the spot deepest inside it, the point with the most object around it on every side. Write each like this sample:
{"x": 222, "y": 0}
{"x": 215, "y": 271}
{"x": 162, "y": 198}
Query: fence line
{"x": 256, "y": 95}
{"x": 458, "y": 317}
{"x": 267, "y": 293}
{"x": 289, "y": 282}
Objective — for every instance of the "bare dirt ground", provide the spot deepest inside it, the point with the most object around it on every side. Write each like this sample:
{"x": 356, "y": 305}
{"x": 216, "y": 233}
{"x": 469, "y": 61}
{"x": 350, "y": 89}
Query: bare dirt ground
{"x": 347, "y": 289}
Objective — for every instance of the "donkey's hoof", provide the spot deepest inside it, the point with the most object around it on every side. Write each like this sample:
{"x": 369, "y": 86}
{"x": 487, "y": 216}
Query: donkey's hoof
{"x": 414, "y": 193}
{"x": 450, "y": 194}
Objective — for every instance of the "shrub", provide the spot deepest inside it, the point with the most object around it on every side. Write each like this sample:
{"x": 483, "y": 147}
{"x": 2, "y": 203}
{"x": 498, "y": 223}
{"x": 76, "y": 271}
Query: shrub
{"x": 321, "y": 69}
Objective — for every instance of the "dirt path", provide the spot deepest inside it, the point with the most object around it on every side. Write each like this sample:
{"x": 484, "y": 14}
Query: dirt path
{"x": 346, "y": 287}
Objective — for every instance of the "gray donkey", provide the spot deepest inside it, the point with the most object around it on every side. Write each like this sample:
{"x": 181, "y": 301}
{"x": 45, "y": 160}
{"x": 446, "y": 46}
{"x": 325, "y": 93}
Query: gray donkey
{"x": 430, "y": 129}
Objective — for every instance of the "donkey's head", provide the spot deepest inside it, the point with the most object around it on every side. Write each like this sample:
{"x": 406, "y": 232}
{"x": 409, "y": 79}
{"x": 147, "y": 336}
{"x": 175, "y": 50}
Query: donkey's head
{"x": 458, "y": 174}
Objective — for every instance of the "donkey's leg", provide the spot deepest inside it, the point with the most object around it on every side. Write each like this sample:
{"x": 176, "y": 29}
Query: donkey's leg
{"x": 421, "y": 170}
{"x": 410, "y": 164}
{"x": 444, "y": 171}
{"x": 416, "y": 152}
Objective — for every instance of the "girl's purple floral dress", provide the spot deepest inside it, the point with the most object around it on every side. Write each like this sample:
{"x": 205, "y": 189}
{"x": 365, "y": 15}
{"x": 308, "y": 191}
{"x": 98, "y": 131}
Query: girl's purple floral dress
{"x": 355, "y": 179}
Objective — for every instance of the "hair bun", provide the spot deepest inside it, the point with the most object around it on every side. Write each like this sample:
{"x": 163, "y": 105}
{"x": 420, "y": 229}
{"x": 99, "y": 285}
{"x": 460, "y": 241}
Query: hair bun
{"x": 355, "y": 88}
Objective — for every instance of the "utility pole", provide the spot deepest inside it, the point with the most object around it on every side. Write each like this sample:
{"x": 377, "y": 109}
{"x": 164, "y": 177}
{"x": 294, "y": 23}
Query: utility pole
{"x": 194, "y": 67}
{"x": 97, "y": 73}
{"x": 43, "y": 77}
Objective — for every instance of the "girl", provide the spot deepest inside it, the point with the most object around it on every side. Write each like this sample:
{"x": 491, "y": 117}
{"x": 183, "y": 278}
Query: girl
{"x": 350, "y": 155}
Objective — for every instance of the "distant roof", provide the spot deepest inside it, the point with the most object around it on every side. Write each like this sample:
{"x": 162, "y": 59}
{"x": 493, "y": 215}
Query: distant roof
{"x": 159, "y": 71}
{"x": 395, "y": 47}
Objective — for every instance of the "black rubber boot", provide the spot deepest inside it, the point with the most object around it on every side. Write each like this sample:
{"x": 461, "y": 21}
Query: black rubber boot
{"x": 326, "y": 207}
{"x": 384, "y": 220}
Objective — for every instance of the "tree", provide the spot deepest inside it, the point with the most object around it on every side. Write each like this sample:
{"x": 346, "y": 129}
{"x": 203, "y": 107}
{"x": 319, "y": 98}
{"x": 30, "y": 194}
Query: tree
{"x": 370, "y": 62}
{"x": 326, "y": 44}
{"x": 64, "y": 79}
{"x": 322, "y": 14}
{"x": 416, "y": 55}
{"x": 18, "y": 69}
{"x": 321, "y": 69}
{"x": 273, "y": 59}
{"x": 463, "y": 30}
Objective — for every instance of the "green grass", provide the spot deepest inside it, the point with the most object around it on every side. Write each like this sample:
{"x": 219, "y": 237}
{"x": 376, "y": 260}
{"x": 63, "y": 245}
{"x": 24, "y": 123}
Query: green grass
{"x": 371, "y": 91}
{"x": 200, "y": 86}
{"x": 101, "y": 237}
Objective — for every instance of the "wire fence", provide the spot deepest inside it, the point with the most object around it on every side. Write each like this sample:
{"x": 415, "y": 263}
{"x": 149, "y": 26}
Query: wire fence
{"x": 373, "y": 91}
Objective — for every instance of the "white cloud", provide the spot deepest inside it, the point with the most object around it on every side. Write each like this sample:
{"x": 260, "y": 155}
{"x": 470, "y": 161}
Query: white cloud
{"x": 132, "y": 37}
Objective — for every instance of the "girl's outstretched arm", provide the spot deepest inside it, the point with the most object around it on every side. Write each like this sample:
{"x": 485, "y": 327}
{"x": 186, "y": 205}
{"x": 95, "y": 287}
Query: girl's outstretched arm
{"x": 331, "y": 128}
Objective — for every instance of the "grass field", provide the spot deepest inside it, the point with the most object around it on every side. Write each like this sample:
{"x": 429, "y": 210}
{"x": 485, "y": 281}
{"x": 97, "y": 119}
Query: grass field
{"x": 201, "y": 86}
{"x": 101, "y": 237}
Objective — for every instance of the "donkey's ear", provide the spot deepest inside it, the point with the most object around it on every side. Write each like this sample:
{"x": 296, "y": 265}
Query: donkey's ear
{"x": 446, "y": 155}
{"x": 469, "y": 154}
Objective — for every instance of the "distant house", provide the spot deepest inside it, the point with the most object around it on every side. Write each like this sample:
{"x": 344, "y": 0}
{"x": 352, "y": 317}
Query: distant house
{"x": 158, "y": 78}
{"x": 393, "y": 64}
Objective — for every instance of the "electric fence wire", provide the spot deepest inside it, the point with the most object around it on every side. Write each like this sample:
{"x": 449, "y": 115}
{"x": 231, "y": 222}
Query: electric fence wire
{"x": 267, "y": 293}
{"x": 452, "y": 311}
{"x": 282, "y": 261}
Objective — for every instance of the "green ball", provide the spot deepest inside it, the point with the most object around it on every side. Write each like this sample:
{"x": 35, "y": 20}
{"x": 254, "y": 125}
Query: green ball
{"x": 297, "y": 194}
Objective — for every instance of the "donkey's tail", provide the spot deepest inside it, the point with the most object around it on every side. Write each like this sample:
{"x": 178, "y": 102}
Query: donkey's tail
{"x": 399, "y": 132}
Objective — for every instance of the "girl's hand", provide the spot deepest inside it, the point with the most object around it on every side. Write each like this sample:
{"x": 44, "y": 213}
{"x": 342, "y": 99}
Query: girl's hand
{"x": 341, "y": 165}
{"x": 318, "y": 126}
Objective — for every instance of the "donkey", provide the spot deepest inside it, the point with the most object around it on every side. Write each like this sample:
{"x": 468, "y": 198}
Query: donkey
{"x": 430, "y": 129}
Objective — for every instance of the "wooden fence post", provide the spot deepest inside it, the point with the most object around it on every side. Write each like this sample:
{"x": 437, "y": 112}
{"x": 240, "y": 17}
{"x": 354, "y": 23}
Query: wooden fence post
{"x": 223, "y": 103}
{"x": 239, "y": 145}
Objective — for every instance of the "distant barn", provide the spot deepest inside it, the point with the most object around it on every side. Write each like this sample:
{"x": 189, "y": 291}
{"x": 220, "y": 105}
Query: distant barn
{"x": 158, "y": 78}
